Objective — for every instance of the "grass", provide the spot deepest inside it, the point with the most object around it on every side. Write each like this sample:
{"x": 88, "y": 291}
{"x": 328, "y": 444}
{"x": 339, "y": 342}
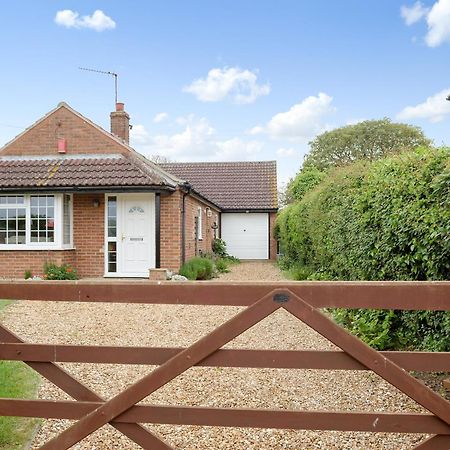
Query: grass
{"x": 17, "y": 380}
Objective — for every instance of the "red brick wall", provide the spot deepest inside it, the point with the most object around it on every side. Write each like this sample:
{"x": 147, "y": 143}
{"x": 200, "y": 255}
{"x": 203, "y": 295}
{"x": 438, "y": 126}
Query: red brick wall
{"x": 171, "y": 207}
{"x": 89, "y": 234}
{"x": 204, "y": 245}
{"x": 14, "y": 263}
{"x": 80, "y": 135}
{"x": 170, "y": 246}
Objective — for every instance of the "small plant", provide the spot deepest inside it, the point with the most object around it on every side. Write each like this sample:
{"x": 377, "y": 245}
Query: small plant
{"x": 54, "y": 272}
{"x": 198, "y": 269}
{"x": 222, "y": 265}
{"x": 28, "y": 274}
{"x": 219, "y": 248}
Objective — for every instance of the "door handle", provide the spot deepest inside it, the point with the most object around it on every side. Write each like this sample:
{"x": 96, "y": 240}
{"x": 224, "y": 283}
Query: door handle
{"x": 123, "y": 237}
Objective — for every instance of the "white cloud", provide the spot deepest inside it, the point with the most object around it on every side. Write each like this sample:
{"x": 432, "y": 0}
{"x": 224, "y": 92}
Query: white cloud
{"x": 302, "y": 121}
{"x": 98, "y": 21}
{"x": 197, "y": 141}
{"x": 414, "y": 13}
{"x": 434, "y": 108}
{"x": 237, "y": 148}
{"x": 287, "y": 152}
{"x": 258, "y": 129}
{"x": 437, "y": 18}
{"x": 240, "y": 85}
{"x": 160, "y": 117}
{"x": 139, "y": 134}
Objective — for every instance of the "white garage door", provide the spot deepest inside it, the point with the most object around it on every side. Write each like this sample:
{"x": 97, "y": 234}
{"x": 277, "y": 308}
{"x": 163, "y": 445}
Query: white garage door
{"x": 246, "y": 234}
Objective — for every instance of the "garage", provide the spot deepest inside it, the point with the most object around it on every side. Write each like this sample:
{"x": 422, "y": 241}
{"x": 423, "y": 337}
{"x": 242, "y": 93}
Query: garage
{"x": 246, "y": 234}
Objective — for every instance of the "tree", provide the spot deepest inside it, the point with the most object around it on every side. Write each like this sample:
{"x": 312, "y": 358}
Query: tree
{"x": 370, "y": 140}
{"x": 306, "y": 180}
{"x": 160, "y": 159}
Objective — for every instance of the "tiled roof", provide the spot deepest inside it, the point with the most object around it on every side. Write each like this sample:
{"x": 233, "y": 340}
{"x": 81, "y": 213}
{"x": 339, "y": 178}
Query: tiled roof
{"x": 87, "y": 172}
{"x": 231, "y": 185}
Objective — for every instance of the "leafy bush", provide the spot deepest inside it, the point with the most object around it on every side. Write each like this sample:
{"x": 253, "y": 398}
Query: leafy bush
{"x": 198, "y": 268}
{"x": 54, "y": 272}
{"x": 219, "y": 247}
{"x": 385, "y": 220}
{"x": 28, "y": 274}
{"x": 306, "y": 180}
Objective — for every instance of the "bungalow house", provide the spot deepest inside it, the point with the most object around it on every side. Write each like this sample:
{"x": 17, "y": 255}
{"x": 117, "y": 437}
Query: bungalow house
{"x": 70, "y": 192}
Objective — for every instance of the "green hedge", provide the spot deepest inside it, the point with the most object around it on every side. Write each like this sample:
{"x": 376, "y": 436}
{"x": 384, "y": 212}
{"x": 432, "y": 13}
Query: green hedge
{"x": 386, "y": 220}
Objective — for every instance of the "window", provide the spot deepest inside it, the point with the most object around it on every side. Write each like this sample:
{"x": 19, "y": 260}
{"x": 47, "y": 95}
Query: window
{"x": 199, "y": 224}
{"x": 67, "y": 219}
{"x": 112, "y": 234}
{"x": 42, "y": 218}
{"x": 12, "y": 220}
{"x": 35, "y": 221}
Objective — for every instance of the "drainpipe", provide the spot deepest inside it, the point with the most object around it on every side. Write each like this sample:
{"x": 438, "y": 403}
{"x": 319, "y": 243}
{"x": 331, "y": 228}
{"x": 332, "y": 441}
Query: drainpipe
{"x": 186, "y": 189}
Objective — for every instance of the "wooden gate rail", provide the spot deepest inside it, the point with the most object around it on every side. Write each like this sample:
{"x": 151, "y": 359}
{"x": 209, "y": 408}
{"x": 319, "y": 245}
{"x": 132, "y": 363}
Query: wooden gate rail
{"x": 261, "y": 299}
{"x": 433, "y": 295}
{"x": 263, "y": 359}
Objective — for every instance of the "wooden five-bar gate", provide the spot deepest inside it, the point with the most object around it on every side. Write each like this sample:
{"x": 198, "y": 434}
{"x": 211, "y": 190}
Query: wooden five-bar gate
{"x": 302, "y": 300}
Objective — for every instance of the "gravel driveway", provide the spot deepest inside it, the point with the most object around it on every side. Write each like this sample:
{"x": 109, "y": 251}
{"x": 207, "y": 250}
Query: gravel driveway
{"x": 161, "y": 325}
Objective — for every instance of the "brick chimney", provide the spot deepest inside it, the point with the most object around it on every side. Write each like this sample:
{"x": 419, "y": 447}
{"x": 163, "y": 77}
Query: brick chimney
{"x": 120, "y": 123}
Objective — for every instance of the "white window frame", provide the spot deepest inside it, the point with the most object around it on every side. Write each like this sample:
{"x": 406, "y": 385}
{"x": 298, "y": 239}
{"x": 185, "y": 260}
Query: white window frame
{"x": 199, "y": 224}
{"x": 58, "y": 226}
{"x": 115, "y": 239}
{"x": 70, "y": 245}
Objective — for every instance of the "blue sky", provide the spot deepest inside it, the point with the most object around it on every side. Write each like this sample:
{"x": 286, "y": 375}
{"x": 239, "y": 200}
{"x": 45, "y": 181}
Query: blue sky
{"x": 235, "y": 80}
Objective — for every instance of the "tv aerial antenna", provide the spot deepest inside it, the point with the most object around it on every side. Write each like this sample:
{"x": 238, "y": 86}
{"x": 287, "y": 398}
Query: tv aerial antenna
{"x": 104, "y": 72}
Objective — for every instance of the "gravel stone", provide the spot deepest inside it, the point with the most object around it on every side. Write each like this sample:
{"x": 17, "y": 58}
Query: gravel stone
{"x": 181, "y": 325}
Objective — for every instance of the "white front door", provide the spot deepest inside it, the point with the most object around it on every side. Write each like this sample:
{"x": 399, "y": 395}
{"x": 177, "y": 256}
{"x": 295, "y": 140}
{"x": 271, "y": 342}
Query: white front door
{"x": 136, "y": 219}
{"x": 135, "y": 235}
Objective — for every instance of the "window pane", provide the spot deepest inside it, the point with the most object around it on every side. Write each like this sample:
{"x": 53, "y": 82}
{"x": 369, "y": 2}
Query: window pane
{"x": 2, "y": 237}
{"x": 2, "y": 224}
{"x": 66, "y": 219}
{"x": 12, "y": 213}
{"x": 112, "y": 257}
{"x": 42, "y": 227}
{"x": 112, "y": 216}
{"x": 21, "y": 238}
{"x": 11, "y": 199}
{"x": 3, "y": 213}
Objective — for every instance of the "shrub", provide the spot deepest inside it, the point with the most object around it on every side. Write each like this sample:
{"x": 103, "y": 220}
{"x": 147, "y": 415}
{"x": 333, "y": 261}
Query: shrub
{"x": 28, "y": 274}
{"x": 222, "y": 265}
{"x": 385, "y": 220}
{"x": 54, "y": 272}
{"x": 219, "y": 247}
{"x": 198, "y": 269}
{"x": 306, "y": 180}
